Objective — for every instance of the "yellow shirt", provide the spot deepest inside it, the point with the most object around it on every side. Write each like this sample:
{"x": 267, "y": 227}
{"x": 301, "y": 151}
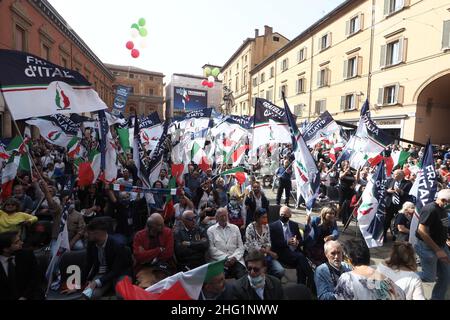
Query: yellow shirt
{"x": 10, "y": 222}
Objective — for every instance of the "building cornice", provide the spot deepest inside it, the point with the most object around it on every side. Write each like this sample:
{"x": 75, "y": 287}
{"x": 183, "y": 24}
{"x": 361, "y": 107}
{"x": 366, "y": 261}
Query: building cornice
{"x": 47, "y": 9}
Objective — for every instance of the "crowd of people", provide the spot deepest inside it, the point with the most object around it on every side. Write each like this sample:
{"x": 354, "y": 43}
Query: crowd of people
{"x": 217, "y": 218}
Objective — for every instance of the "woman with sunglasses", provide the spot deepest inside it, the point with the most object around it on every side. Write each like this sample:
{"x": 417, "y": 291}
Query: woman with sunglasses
{"x": 401, "y": 267}
{"x": 10, "y": 217}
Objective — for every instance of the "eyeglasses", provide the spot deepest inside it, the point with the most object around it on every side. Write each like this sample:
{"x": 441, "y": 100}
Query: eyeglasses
{"x": 256, "y": 269}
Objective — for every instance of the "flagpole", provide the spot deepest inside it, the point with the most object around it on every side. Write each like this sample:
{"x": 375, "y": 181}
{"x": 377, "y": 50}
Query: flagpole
{"x": 21, "y": 136}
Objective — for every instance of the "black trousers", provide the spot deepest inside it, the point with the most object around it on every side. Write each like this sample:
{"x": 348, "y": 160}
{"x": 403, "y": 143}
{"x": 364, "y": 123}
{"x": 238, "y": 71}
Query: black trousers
{"x": 286, "y": 186}
{"x": 297, "y": 260}
{"x": 391, "y": 211}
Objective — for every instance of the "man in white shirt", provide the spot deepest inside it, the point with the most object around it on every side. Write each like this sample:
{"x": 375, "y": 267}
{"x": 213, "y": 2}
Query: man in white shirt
{"x": 225, "y": 242}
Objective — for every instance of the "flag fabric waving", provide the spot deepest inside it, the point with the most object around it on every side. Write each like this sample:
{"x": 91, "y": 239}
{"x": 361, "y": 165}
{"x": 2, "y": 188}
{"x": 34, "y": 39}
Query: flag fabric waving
{"x": 270, "y": 124}
{"x": 424, "y": 189}
{"x": 307, "y": 176}
{"x": 35, "y": 87}
{"x": 371, "y": 211}
{"x": 323, "y": 128}
{"x": 181, "y": 286}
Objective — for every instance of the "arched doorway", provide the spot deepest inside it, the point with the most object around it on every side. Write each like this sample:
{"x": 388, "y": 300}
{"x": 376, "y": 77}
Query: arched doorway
{"x": 433, "y": 110}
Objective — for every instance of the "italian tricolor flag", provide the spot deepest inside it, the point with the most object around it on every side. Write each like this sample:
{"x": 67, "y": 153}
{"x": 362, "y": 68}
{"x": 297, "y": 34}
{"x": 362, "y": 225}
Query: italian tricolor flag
{"x": 238, "y": 173}
{"x": 181, "y": 286}
{"x": 9, "y": 173}
{"x": 400, "y": 157}
{"x": 88, "y": 172}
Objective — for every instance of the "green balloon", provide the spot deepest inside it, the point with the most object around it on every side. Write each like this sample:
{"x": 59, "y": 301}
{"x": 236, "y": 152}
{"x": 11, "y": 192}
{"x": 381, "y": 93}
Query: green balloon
{"x": 135, "y": 26}
{"x": 207, "y": 71}
{"x": 143, "y": 32}
{"x": 142, "y": 22}
{"x": 215, "y": 72}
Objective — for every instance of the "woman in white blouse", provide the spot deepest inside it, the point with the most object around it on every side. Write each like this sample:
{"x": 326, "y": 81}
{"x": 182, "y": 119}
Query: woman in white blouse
{"x": 257, "y": 237}
{"x": 401, "y": 267}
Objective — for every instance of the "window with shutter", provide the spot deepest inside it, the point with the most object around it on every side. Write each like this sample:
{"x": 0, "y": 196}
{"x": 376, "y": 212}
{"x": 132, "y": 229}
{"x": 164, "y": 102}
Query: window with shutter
{"x": 322, "y": 106}
{"x": 383, "y": 56}
{"x": 446, "y": 35}
{"x": 317, "y": 107}
{"x": 272, "y": 72}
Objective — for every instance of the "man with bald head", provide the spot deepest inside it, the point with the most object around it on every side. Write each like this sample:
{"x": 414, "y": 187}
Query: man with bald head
{"x": 397, "y": 193}
{"x": 328, "y": 273}
{"x": 191, "y": 243}
{"x": 225, "y": 242}
{"x": 153, "y": 244}
{"x": 287, "y": 242}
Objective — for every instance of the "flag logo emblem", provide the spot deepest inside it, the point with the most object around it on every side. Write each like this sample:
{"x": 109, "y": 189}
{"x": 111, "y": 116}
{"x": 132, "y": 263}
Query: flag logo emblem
{"x": 62, "y": 101}
{"x": 53, "y": 135}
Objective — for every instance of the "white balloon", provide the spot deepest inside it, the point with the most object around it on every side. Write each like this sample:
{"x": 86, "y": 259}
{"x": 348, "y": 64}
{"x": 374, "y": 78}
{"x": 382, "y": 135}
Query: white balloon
{"x": 134, "y": 33}
{"x": 143, "y": 44}
{"x": 211, "y": 79}
{"x": 220, "y": 77}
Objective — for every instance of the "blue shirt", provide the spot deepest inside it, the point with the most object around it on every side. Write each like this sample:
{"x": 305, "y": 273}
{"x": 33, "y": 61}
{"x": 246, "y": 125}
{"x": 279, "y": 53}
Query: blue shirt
{"x": 324, "y": 280}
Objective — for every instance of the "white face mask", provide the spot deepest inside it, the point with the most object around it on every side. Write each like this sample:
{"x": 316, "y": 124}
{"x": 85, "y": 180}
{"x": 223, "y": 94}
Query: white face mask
{"x": 257, "y": 282}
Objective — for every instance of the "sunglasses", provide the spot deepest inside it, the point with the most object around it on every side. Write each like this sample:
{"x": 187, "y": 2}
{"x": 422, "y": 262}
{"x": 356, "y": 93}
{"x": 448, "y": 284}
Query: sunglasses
{"x": 189, "y": 218}
{"x": 256, "y": 269}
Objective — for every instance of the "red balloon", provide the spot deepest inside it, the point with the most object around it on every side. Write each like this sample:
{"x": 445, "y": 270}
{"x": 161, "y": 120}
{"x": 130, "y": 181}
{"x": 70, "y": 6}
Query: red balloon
{"x": 210, "y": 84}
{"x": 135, "y": 53}
{"x": 204, "y": 83}
{"x": 130, "y": 45}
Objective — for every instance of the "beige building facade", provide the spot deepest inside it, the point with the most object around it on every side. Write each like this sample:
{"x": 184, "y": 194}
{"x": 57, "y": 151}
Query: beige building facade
{"x": 395, "y": 53}
{"x": 236, "y": 71}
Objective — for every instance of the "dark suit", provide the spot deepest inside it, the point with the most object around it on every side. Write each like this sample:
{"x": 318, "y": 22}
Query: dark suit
{"x": 118, "y": 261}
{"x": 273, "y": 290}
{"x": 250, "y": 204}
{"x": 287, "y": 256}
{"x": 391, "y": 207}
{"x": 26, "y": 282}
{"x": 192, "y": 255}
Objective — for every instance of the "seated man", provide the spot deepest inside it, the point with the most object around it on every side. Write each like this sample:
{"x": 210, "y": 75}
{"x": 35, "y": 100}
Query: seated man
{"x": 11, "y": 218}
{"x": 328, "y": 273}
{"x": 26, "y": 203}
{"x": 225, "y": 242}
{"x": 216, "y": 288}
{"x": 286, "y": 242}
{"x": 107, "y": 261}
{"x": 153, "y": 244}
{"x": 19, "y": 277}
{"x": 191, "y": 243}
{"x": 257, "y": 285}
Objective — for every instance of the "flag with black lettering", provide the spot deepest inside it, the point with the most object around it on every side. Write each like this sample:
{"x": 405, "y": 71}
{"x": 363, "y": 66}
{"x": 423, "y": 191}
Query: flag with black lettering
{"x": 270, "y": 124}
{"x": 424, "y": 188}
{"x": 34, "y": 87}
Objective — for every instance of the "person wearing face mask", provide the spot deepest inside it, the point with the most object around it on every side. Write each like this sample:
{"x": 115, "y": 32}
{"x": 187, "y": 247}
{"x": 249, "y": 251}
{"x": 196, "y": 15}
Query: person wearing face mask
{"x": 257, "y": 237}
{"x": 327, "y": 274}
{"x": 286, "y": 242}
{"x": 433, "y": 242}
{"x": 257, "y": 285}
{"x": 319, "y": 230}
{"x": 154, "y": 243}
{"x": 255, "y": 200}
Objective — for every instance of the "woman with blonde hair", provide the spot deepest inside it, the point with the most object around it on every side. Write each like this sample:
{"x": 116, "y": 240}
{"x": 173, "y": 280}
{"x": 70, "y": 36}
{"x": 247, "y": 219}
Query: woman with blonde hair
{"x": 318, "y": 231}
{"x": 401, "y": 267}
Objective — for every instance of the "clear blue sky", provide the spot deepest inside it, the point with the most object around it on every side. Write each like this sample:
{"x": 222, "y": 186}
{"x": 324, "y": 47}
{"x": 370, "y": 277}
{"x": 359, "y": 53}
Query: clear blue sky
{"x": 183, "y": 35}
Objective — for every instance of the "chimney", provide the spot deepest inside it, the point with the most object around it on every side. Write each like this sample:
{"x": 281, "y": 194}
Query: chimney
{"x": 256, "y": 33}
{"x": 268, "y": 30}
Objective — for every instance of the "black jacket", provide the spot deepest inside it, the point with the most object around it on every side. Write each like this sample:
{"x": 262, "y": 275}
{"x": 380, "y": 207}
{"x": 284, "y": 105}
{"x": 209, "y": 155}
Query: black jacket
{"x": 272, "y": 289}
{"x": 26, "y": 279}
{"x": 405, "y": 185}
{"x": 193, "y": 255}
{"x": 118, "y": 260}
{"x": 250, "y": 204}
{"x": 279, "y": 244}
